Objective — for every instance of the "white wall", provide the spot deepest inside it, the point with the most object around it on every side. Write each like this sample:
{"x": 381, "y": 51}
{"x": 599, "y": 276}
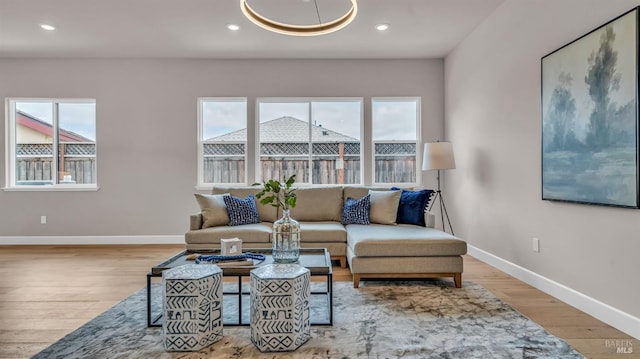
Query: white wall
{"x": 492, "y": 116}
{"x": 146, "y": 115}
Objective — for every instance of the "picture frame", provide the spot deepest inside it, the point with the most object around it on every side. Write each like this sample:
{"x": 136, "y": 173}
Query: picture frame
{"x": 589, "y": 113}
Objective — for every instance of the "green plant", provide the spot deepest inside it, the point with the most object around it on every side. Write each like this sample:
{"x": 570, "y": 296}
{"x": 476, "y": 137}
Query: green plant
{"x": 278, "y": 194}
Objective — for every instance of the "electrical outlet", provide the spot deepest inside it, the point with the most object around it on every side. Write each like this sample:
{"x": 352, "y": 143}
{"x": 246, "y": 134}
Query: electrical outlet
{"x": 43, "y": 219}
{"x": 536, "y": 245}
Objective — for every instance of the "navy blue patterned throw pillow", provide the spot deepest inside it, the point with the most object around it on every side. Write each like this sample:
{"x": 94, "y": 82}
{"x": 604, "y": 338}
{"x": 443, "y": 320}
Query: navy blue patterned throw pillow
{"x": 241, "y": 211}
{"x": 356, "y": 211}
{"x": 412, "y": 206}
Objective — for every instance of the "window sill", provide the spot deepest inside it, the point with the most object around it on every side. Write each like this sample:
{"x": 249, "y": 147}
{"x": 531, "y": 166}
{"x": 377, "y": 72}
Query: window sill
{"x": 209, "y": 186}
{"x": 204, "y": 188}
{"x": 51, "y": 189}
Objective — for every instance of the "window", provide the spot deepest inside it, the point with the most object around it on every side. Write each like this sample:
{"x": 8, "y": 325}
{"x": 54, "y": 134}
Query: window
{"x": 318, "y": 140}
{"x": 395, "y": 127}
{"x": 222, "y": 140}
{"x": 51, "y": 144}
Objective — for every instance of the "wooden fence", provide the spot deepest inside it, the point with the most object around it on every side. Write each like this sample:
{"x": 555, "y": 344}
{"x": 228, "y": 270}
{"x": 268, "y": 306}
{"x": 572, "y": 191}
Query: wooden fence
{"x": 325, "y": 170}
{"x": 76, "y": 163}
{"x": 388, "y": 169}
{"x": 224, "y": 170}
{"x": 395, "y": 169}
{"x": 38, "y": 169}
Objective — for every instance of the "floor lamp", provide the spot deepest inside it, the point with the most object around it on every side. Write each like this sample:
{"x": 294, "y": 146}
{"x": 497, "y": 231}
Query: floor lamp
{"x": 439, "y": 156}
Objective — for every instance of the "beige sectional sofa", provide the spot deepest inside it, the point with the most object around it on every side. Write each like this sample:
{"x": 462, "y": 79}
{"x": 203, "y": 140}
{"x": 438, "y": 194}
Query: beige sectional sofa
{"x": 372, "y": 250}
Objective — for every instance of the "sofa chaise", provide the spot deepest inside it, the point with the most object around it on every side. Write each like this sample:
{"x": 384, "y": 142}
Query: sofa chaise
{"x": 382, "y": 248}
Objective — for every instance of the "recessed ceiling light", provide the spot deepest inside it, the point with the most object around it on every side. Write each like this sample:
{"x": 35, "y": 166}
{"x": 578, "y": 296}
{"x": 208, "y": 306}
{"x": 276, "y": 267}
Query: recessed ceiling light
{"x": 47, "y": 27}
{"x": 233, "y": 27}
{"x": 382, "y": 27}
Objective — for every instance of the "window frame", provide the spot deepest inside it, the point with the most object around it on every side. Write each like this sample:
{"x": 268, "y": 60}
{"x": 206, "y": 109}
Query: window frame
{"x": 253, "y": 170}
{"x": 309, "y": 101}
{"x": 200, "y": 183}
{"x": 418, "y": 142}
{"x": 10, "y": 146}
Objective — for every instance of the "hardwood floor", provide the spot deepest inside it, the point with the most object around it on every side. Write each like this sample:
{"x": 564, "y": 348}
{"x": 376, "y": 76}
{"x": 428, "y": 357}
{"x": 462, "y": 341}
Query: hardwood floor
{"x": 48, "y": 291}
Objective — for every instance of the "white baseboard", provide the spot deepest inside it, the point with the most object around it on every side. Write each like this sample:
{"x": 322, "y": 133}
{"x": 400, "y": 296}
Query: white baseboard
{"x": 602, "y": 311}
{"x": 88, "y": 240}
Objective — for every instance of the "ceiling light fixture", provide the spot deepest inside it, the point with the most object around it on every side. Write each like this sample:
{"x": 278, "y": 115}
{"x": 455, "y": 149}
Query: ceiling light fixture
{"x": 300, "y": 30}
{"x": 382, "y": 27}
{"x": 48, "y": 27}
{"x": 233, "y": 27}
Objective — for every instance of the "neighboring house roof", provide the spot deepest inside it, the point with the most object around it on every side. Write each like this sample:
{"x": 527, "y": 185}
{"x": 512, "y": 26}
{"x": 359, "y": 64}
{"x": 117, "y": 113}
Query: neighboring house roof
{"x": 287, "y": 129}
{"x": 46, "y": 129}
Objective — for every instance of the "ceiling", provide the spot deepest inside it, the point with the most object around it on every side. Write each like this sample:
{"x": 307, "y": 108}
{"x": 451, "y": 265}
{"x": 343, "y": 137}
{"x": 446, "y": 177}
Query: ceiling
{"x": 197, "y": 29}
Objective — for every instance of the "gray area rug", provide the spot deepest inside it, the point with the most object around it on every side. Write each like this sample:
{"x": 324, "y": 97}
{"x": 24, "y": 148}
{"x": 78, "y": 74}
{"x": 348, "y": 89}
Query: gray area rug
{"x": 426, "y": 319}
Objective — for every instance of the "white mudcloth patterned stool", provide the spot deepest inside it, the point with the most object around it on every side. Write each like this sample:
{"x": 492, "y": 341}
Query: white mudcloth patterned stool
{"x": 280, "y": 295}
{"x": 192, "y": 307}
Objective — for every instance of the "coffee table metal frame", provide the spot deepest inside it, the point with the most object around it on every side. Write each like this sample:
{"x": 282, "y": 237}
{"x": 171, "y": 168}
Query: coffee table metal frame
{"x": 317, "y": 260}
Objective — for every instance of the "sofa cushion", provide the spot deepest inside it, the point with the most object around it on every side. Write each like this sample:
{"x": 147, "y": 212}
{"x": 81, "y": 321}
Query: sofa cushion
{"x": 356, "y": 211}
{"x": 401, "y": 265}
{"x": 318, "y": 204}
{"x": 267, "y": 213}
{"x": 214, "y": 211}
{"x": 241, "y": 211}
{"x": 249, "y": 233}
{"x": 378, "y": 240}
{"x": 195, "y": 221}
{"x": 412, "y": 206}
{"x": 322, "y": 232}
{"x": 384, "y": 206}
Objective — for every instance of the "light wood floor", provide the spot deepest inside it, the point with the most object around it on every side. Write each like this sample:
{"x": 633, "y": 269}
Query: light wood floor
{"x": 48, "y": 291}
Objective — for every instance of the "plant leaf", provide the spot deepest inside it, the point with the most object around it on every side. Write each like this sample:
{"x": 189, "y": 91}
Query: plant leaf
{"x": 290, "y": 181}
{"x": 278, "y": 194}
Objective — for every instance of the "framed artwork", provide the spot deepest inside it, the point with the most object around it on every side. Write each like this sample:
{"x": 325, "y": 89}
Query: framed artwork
{"x": 590, "y": 117}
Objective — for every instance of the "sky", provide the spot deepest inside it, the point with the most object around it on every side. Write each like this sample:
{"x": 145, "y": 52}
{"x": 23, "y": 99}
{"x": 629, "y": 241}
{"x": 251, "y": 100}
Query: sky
{"x": 339, "y": 116}
{"x": 75, "y": 117}
{"x": 392, "y": 120}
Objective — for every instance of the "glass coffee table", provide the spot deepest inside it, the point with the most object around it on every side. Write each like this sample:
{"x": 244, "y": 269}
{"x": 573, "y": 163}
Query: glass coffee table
{"x": 317, "y": 260}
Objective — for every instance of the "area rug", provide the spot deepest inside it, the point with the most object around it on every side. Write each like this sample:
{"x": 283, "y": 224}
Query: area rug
{"x": 426, "y": 319}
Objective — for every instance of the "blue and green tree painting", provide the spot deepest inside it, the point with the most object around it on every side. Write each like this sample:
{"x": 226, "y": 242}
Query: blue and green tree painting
{"x": 589, "y": 143}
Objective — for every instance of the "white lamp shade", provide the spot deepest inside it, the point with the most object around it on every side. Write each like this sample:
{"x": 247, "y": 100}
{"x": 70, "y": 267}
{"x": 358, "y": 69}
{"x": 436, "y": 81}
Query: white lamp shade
{"x": 438, "y": 156}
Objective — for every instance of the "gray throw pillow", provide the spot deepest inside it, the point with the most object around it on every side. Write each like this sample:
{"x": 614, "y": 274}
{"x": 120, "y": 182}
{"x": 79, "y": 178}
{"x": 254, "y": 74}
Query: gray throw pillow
{"x": 214, "y": 210}
{"x": 384, "y": 206}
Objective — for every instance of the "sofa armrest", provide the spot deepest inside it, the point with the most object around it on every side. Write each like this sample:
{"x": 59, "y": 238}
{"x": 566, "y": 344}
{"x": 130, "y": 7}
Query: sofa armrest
{"x": 429, "y": 219}
{"x": 195, "y": 221}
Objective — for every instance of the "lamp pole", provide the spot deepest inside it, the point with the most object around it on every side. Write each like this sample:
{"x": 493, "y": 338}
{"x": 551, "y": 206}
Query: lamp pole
{"x": 443, "y": 207}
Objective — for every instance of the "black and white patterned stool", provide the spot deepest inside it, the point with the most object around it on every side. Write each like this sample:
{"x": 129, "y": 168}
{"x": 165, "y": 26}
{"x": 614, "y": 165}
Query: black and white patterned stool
{"x": 280, "y": 295}
{"x": 192, "y": 307}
